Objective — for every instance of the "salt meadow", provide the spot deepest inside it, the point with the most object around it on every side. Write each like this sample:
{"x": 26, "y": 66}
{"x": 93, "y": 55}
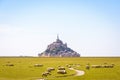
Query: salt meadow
{"x": 32, "y": 68}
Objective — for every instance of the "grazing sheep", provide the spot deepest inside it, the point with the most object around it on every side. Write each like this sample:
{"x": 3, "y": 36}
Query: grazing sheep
{"x": 50, "y": 69}
{"x": 102, "y": 66}
{"x": 9, "y": 64}
{"x": 38, "y": 65}
{"x": 96, "y": 66}
{"x": 111, "y": 66}
{"x": 72, "y": 65}
{"x": 69, "y": 66}
{"x": 61, "y": 72}
{"x": 61, "y": 68}
{"x": 45, "y": 74}
{"x": 108, "y": 66}
{"x": 87, "y": 67}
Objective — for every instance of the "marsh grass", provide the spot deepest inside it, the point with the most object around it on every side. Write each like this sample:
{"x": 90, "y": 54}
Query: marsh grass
{"x": 24, "y": 69}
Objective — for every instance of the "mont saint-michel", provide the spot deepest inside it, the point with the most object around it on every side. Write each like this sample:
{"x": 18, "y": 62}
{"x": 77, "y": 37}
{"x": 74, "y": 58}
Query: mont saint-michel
{"x": 59, "y": 49}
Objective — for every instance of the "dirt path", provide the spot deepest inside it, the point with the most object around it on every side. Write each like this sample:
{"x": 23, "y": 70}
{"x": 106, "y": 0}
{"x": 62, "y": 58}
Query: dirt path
{"x": 78, "y": 72}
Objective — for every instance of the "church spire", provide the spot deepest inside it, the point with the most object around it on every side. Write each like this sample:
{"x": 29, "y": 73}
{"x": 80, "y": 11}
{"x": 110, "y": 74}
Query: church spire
{"x": 58, "y": 40}
{"x": 57, "y": 36}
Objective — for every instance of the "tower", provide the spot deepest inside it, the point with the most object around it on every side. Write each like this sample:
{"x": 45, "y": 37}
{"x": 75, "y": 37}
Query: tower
{"x": 57, "y": 36}
{"x": 58, "y": 40}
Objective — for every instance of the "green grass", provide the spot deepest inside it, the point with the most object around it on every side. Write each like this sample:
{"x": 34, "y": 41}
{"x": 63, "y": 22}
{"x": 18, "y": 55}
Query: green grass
{"x": 24, "y": 69}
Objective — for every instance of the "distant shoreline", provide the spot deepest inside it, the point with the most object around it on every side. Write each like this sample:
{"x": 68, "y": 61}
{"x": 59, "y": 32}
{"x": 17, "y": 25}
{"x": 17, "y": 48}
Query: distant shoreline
{"x": 60, "y": 57}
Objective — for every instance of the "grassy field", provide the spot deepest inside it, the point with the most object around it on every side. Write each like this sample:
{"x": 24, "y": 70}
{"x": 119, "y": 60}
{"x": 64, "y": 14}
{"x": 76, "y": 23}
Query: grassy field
{"x": 24, "y": 69}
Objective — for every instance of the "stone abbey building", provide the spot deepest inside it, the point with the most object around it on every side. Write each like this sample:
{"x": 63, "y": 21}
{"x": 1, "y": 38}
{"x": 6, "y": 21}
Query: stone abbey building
{"x": 58, "y": 49}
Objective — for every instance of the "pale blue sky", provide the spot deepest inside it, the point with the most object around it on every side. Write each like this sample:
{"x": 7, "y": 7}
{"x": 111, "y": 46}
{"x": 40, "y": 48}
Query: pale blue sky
{"x": 90, "y": 27}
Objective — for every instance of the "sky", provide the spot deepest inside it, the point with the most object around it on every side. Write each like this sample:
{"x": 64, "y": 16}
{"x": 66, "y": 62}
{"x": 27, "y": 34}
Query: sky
{"x": 89, "y": 27}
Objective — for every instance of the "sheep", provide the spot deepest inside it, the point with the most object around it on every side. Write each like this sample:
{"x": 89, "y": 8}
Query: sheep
{"x": 45, "y": 74}
{"x": 112, "y": 65}
{"x": 61, "y": 68}
{"x": 48, "y": 73}
{"x": 9, "y": 64}
{"x": 38, "y": 65}
{"x": 108, "y": 66}
{"x": 102, "y": 66}
{"x": 61, "y": 72}
{"x": 69, "y": 66}
{"x": 87, "y": 67}
{"x": 50, "y": 69}
{"x": 96, "y": 66}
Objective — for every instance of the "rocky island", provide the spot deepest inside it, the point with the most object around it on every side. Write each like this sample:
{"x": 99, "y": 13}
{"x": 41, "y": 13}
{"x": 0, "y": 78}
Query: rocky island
{"x": 58, "y": 49}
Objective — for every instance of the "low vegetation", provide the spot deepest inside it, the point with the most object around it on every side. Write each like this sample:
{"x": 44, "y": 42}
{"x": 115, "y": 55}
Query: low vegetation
{"x": 21, "y": 68}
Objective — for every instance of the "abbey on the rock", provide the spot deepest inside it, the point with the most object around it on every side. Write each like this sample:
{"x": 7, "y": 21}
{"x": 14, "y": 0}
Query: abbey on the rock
{"x": 58, "y": 49}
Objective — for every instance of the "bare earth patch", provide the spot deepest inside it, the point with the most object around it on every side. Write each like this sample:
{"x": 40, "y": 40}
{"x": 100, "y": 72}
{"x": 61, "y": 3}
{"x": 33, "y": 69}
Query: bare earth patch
{"x": 78, "y": 72}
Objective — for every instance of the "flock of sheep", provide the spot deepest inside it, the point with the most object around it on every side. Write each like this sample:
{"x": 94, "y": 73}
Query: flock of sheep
{"x": 105, "y": 65}
{"x": 62, "y": 70}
